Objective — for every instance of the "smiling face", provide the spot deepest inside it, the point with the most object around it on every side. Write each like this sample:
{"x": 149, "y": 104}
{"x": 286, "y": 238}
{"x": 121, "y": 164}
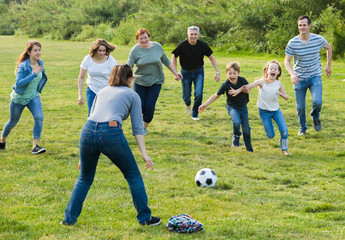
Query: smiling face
{"x": 101, "y": 52}
{"x": 232, "y": 75}
{"x": 304, "y": 27}
{"x": 273, "y": 71}
{"x": 35, "y": 53}
{"x": 193, "y": 36}
{"x": 144, "y": 40}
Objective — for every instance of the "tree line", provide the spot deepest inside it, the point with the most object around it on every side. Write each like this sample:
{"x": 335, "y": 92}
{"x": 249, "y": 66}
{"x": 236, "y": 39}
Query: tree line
{"x": 232, "y": 25}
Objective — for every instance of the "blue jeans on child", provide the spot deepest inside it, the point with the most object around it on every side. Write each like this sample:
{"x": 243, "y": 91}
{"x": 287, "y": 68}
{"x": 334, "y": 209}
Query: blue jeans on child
{"x": 315, "y": 86}
{"x": 197, "y": 78}
{"x": 148, "y": 96}
{"x": 90, "y": 96}
{"x": 97, "y": 138}
{"x": 35, "y": 107}
{"x": 266, "y": 120}
{"x": 239, "y": 116}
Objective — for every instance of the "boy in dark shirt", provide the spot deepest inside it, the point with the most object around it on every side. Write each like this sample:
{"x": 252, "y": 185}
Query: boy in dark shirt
{"x": 235, "y": 105}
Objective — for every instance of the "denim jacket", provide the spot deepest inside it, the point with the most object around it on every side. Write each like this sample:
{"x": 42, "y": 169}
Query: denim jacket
{"x": 25, "y": 75}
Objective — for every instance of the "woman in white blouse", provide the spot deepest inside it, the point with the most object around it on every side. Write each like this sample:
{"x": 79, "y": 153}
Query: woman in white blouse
{"x": 98, "y": 65}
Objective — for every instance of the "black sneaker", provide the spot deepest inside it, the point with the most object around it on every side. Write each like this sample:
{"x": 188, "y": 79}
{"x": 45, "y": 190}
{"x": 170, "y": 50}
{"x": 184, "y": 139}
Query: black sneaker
{"x": 2, "y": 146}
{"x": 153, "y": 221}
{"x": 249, "y": 148}
{"x": 38, "y": 149}
{"x": 317, "y": 125}
{"x": 236, "y": 141}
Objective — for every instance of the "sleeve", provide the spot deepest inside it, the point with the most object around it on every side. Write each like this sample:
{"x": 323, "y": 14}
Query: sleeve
{"x": 21, "y": 79}
{"x": 244, "y": 81}
{"x": 177, "y": 50}
{"x": 112, "y": 61}
{"x": 288, "y": 50}
{"x": 136, "y": 115}
{"x": 323, "y": 42}
{"x": 165, "y": 60}
{"x": 207, "y": 50}
{"x": 131, "y": 57}
{"x": 222, "y": 89}
{"x": 84, "y": 64}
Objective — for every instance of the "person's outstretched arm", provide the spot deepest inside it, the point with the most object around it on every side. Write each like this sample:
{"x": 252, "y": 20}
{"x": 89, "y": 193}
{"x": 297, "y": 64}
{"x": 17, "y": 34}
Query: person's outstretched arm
{"x": 213, "y": 98}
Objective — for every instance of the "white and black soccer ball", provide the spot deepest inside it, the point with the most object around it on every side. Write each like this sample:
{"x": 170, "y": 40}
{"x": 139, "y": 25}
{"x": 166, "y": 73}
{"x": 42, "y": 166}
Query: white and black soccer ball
{"x": 206, "y": 177}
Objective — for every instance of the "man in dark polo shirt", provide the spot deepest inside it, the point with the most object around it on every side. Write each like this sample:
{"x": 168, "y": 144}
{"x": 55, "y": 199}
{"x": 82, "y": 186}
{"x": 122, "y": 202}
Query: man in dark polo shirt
{"x": 191, "y": 53}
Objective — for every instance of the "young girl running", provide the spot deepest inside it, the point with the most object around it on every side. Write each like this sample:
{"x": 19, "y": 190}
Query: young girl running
{"x": 269, "y": 90}
{"x": 30, "y": 80}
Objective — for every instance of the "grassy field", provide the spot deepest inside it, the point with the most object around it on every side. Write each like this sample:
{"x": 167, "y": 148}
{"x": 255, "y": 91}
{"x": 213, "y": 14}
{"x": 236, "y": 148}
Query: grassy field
{"x": 260, "y": 195}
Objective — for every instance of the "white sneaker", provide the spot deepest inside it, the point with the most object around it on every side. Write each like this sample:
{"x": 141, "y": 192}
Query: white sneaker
{"x": 195, "y": 118}
{"x": 300, "y": 133}
{"x": 189, "y": 109}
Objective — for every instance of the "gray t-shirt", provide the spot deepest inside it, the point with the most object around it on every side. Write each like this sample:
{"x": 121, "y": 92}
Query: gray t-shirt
{"x": 148, "y": 64}
{"x": 115, "y": 104}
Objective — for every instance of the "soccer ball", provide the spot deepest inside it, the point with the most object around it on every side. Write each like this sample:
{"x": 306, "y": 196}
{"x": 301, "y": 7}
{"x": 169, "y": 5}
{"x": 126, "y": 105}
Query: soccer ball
{"x": 206, "y": 178}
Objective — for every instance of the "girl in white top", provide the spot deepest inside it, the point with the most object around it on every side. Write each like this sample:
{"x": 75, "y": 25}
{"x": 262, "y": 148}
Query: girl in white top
{"x": 269, "y": 91}
{"x": 98, "y": 66}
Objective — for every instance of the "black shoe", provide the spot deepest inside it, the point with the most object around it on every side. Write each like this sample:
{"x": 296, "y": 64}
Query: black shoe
{"x": 317, "y": 125}
{"x": 38, "y": 149}
{"x": 153, "y": 221}
{"x": 249, "y": 148}
{"x": 2, "y": 146}
{"x": 236, "y": 141}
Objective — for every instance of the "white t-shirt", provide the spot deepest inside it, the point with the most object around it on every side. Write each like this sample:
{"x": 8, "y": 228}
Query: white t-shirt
{"x": 97, "y": 73}
{"x": 268, "y": 96}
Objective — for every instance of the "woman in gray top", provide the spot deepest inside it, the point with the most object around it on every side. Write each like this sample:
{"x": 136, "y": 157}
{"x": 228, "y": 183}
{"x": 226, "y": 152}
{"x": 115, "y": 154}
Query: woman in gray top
{"x": 148, "y": 57}
{"x": 102, "y": 133}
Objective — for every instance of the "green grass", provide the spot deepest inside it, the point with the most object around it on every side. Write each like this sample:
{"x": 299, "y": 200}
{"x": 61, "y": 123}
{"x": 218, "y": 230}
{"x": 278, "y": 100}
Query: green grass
{"x": 263, "y": 195}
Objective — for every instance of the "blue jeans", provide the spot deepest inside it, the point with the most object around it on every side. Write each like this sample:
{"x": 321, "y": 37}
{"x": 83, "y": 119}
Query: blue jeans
{"x": 197, "y": 78}
{"x": 90, "y": 96}
{"x": 315, "y": 86}
{"x": 239, "y": 117}
{"x": 35, "y": 107}
{"x": 266, "y": 120}
{"x": 148, "y": 97}
{"x": 97, "y": 138}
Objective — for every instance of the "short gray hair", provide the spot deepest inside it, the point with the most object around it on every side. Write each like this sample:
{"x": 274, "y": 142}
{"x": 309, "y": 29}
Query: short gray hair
{"x": 195, "y": 28}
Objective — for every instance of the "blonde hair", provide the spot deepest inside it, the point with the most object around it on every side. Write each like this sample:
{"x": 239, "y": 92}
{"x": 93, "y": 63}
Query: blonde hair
{"x": 233, "y": 65}
{"x": 264, "y": 72}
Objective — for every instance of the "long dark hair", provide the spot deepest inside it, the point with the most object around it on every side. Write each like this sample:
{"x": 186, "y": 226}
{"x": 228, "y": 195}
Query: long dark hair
{"x": 25, "y": 55}
{"x": 120, "y": 75}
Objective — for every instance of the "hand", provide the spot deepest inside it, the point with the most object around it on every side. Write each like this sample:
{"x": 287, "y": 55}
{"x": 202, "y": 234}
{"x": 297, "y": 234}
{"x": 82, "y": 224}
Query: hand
{"x": 294, "y": 79}
{"x": 328, "y": 71}
{"x": 80, "y": 101}
{"x": 217, "y": 77}
{"x": 148, "y": 161}
{"x": 79, "y": 165}
{"x": 201, "y": 108}
{"x": 38, "y": 69}
{"x": 233, "y": 92}
{"x": 246, "y": 89}
{"x": 178, "y": 76}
